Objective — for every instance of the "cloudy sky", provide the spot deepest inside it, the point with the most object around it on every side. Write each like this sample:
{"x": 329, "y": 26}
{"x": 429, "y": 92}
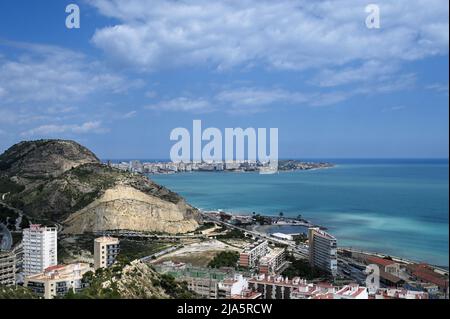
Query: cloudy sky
{"x": 137, "y": 69}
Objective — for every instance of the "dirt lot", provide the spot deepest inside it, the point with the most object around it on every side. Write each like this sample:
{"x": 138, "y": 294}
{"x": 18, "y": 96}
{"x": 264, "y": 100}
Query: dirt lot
{"x": 198, "y": 254}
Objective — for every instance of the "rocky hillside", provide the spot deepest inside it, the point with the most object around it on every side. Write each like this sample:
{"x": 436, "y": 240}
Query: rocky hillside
{"x": 136, "y": 280}
{"x": 44, "y": 159}
{"x": 63, "y": 182}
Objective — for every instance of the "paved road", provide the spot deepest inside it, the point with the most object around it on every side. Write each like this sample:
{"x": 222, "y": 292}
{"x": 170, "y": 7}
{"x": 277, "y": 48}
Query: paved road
{"x": 302, "y": 251}
{"x": 132, "y": 234}
{"x": 6, "y": 238}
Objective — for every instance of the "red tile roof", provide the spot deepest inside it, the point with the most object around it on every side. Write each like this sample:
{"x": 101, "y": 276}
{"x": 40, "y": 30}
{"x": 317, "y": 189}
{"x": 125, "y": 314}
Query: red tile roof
{"x": 52, "y": 268}
{"x": 379, "y": 261}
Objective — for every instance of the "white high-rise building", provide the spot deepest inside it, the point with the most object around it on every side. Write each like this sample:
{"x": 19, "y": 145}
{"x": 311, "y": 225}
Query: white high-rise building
{"x": 322, "y": 250}
{"x": 39, "y": 249}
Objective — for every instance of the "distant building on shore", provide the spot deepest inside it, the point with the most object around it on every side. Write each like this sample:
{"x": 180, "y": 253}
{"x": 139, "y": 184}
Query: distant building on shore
{"x": 106, "y": 250}
{"x": 39, "y": 249}
{"x": 322, "y": 250}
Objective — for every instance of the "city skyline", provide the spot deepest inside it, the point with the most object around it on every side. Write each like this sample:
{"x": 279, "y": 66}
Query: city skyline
{"x": 134, "y": 71}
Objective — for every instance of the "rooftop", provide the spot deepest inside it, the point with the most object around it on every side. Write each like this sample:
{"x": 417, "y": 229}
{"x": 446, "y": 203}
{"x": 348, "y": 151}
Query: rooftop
{"x": 323, "y": 233}
{"x": 106, "y": 239}
{"x": 380, "y": 261}
{"x": 351, "y": 290}
{"x": 62, "y": 272}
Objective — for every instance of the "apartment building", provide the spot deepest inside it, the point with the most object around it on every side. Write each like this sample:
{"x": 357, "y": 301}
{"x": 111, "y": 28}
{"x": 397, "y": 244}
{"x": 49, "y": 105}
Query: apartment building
{"x": 231, "y": 287}
{"x": 106, "y": 250}
{"x": 322, "y": 250}
{"x": 39, "y": 249}
{"x": 252, "y": 253}
{"x": 207, "y": 283}
{"x": 7, "y": 268}
{"x": 274, "y": 287}
{"x": 57, "y": 281}
{"x": 272, "y": 262}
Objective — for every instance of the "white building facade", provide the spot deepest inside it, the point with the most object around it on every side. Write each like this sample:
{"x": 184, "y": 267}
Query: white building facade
{"x": 39, "y": 249}
{"x": 322, "y": 250}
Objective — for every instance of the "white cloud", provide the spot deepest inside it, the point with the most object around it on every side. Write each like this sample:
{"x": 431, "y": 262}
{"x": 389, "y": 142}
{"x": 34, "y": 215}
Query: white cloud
{"x": 369, "y": 71}
{"x": 438, "y": 87}
{"x": 284, "y": 34}
{"x": 130, "y": 115}
{"x": 54, "y": 129}
{"x": 50, "y": 74}
{"x": 394, "y": 108}
{"x": 249, "y": 100}
{"x": 252, "y": 100}
{"x": 60, "y": 109}
{"x": 196, "y": 105}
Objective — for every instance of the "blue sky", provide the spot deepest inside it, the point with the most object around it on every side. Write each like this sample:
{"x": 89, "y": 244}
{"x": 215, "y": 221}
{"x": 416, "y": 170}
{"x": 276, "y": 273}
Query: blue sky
{"x": 135, "y": 70}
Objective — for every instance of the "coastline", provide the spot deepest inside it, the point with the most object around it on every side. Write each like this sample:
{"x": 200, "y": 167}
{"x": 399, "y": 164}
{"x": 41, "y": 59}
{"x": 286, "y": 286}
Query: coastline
{"x": 264, "y": 229}
{"x": 394, "y": 204}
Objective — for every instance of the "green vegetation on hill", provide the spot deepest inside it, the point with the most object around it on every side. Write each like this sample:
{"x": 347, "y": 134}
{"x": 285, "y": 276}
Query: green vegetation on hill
{"x": 130, "y": 281}
{"x": 9, "y": 186}
{"x": 224, "y": 259}
{"x": 139, "y": 248}
{"x": 175, "y": 289}
{"x": 232, "y": 234}
{"x": 8, "y": 217}
{"x": 16, "y": 293}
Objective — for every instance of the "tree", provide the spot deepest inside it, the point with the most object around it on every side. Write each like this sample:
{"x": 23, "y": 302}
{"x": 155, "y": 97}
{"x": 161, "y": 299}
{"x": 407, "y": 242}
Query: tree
{"x": 25, "y": 223}
{"x": 224, "y": 259}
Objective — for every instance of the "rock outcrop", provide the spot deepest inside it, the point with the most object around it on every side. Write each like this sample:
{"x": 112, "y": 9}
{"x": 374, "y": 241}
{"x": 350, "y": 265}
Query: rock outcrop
{"x": 63, "y": 182}
{"x": 44, "y": 159}
{"x": 124, "y": 207}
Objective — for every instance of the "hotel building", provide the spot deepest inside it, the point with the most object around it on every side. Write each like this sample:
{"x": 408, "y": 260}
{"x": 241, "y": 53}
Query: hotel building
{"x": 322, "y": 250}
{"x": 57, "y": 281}
{"x": 252, "y": 253}
{"x": 39, "y": 249}
{"x": 106, "y": 250}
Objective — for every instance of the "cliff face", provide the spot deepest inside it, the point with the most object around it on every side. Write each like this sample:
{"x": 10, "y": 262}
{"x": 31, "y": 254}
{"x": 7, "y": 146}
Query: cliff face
{"x": 124, "y": 207}
{"x": 69, "y": 185}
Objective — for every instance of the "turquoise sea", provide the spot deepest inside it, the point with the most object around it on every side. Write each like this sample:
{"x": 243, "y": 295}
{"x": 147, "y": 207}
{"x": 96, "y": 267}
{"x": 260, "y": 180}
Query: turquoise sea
{"x": 398, "y": 207}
